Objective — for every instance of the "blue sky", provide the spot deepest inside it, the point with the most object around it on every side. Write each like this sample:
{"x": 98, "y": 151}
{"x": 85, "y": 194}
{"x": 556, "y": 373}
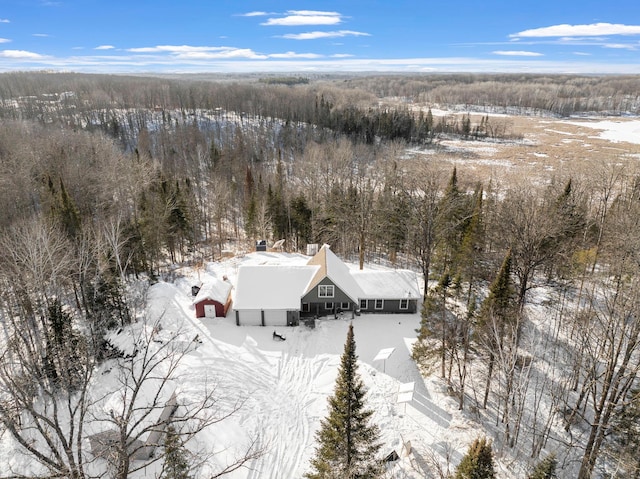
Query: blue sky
{"x": 116, "y": 36}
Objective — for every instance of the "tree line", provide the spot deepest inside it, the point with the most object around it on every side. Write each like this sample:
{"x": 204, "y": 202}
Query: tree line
{"x": 531, "y": 94}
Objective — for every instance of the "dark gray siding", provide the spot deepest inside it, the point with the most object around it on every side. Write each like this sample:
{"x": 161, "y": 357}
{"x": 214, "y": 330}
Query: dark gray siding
{"x": 338, "y": 296}
{"x": 390, "y": 306}
{"x": 318, "y": 306}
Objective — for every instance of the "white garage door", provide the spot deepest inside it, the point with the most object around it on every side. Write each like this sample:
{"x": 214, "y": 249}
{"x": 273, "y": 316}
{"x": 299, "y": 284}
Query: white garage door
{"x": 210, "y": 310}
{"x": 275, "y": 317}
{"x": 250, "y": 317}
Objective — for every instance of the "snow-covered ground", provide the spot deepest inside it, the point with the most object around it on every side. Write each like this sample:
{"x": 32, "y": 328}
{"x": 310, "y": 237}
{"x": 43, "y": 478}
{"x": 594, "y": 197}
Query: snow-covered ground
{"x": 285, "y": 384}
{"x": 614, "y": 130}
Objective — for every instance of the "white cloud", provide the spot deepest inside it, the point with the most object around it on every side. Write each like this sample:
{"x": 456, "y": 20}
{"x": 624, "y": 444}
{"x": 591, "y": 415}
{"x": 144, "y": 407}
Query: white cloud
{"x": 581, "y": 39}
{"x": 517, "y": 53}
{"x": 104, "y": 47}
{"x": 4, "y": 40}
{"x": 42, "y": 35}
{"x": 312, "y": 13}
{"x": 621, "y": 46}
{"x": 591, "y": 30}
{"x": 173, "y": 63}
{"x": 583, "y": 54}
{"x": 20, "y": 54}
{"x": 342, "y": 55}
{"x": 228, "y": 53}
{"x": 254, "y": 14}
{"x": 4, "y": 20}
{"x": 316, "y": 35}
{"x": 200, "y": 53}
{"x": 294, "y": 55}
{"x": 175, "y": 49}
{"x": 305, "y": 17}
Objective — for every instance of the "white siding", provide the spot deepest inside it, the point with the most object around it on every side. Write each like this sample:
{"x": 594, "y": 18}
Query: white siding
{"x": 250, "y": 317}
{"x": 275, "y": 317}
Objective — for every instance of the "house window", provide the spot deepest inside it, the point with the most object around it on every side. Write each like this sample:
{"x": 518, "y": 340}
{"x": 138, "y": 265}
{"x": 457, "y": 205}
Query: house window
{"x": 344, "y": 306}
{"x": 404, "y": 304}
{"x": 305, "y": 307}
{"x": 364, "y": 304}
{"x": 325, "y": 291}
{"x": 379, "y": 303}
{"x": 328, "y": 306}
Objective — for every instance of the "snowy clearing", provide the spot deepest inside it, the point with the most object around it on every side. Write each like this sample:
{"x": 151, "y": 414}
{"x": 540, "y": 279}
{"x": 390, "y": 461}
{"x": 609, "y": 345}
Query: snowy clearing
{"x": 286, "y": 383}
{"x": 615, "y": 131}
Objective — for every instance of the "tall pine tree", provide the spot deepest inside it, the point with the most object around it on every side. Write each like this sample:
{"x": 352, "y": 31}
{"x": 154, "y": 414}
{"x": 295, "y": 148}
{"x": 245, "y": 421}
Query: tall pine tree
{"x": 496, "y": 311}
{"x": 478, "y": 462}
{"x": 347, "y": 443}
{"x": 545, "y": 469}
{"x": 176, "y": 465}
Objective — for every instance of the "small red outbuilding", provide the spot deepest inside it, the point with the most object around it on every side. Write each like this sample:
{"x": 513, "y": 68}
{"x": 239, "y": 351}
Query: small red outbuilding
{"x": 213, "y": 300}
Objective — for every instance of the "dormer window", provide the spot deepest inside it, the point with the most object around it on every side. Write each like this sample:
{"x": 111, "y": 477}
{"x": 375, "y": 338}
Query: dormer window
{"x": 325, "y": 291}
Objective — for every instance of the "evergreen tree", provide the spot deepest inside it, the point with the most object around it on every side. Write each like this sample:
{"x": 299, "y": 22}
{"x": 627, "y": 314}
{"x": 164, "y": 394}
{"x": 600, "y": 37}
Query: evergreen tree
{"x": 472, "y": 241}
{"x": 64, "y": 210}
{"x": 495, "y": 312}
{"x": 466, "y": 126}
{"x": 455, "y": 211}
{"x": 300, "y": 220}
{"x": 347, "y": 443}
{"x": 250, "y": 204}
{"x": 478, "y": 462}
{"x": 176, "y": 465}
{"x": 69, "y": 213}
{"x": 390, "y": 218}
{"x": 624, "y": 439}
{"x": 277, "y": 212}
{"x": 433, "y": 337}
{"x": 106, "y": 308}
{"x": 569, "y": 218}
{"x": 500, "y": 298}
{"x": 178, "y": 223}
{"x": 545, "y": 469}
{"x": 65, "y": 348}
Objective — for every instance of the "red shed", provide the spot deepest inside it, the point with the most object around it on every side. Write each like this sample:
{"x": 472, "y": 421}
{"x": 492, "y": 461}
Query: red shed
{"x": 213, "y": 300}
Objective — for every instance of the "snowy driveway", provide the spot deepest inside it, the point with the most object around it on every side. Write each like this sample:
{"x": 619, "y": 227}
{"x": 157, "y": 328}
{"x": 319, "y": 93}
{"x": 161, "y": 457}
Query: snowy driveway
{"x": 286, "y": 383}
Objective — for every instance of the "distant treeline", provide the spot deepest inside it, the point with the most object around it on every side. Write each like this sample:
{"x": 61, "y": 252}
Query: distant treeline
{"x": 285, "y": 80}
{"x": 122, "y": 106}
{"x": 560, "y": 95}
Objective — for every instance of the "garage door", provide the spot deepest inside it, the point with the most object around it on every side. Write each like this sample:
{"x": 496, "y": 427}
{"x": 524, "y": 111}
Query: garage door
{"x": 210, "y": 310}
{"x": 250, "y": 317}
{"x": 275, "y": 317}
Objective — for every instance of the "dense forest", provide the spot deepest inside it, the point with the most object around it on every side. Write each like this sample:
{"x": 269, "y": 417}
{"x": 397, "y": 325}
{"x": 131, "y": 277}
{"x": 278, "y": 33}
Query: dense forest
{"x": 107, "y": 180}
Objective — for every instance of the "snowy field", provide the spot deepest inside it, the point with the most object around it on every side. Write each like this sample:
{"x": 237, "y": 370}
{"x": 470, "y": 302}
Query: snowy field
{"x": 614, "y": 130}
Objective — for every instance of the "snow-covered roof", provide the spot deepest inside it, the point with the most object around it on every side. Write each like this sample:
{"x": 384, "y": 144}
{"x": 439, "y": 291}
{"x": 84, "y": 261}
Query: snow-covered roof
{"x": 394, "y": 284}
{"x": 272, "y": 286}
{"x": 215, "y": 290}
{"x": 333, "y": 268}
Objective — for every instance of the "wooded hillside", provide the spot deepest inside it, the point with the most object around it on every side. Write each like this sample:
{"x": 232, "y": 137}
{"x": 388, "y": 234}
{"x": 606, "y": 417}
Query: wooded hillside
{"x": 108, "y": 179}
